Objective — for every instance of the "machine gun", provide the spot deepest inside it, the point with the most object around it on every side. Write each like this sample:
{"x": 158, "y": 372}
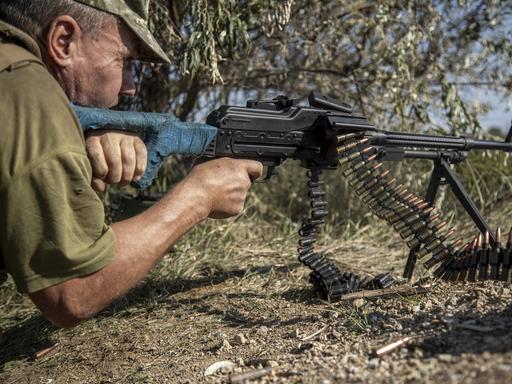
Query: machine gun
{"x": 327, "y": 135}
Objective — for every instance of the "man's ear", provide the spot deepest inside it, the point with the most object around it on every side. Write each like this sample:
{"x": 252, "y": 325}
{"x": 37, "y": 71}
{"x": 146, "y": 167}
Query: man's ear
{"x": 63, "y": 40}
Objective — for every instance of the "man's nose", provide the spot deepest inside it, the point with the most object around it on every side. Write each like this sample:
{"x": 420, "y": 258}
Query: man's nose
{"x": 128, "y": 86}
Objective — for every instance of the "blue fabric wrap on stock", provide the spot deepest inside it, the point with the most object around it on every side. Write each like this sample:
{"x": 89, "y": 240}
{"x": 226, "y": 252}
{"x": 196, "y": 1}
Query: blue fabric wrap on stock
{"x": 163, "y": 134}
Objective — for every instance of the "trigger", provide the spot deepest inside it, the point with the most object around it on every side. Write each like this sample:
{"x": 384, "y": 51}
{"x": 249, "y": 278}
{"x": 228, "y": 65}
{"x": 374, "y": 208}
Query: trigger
{"x": 269, "y": 171}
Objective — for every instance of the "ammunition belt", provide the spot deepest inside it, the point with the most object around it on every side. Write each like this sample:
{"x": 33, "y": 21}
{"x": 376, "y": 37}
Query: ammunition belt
{"x": 326, "y": 277}
{"x": 417, "y": 222}
{"x": 477, "y": 261}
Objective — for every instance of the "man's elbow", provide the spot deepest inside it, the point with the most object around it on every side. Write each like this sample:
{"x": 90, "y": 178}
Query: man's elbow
{"x": 61, "y": 308}
{"x": 64, "y": 319}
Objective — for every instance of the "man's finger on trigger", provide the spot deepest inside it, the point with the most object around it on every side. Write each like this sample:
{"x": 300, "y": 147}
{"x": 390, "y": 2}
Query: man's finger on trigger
{"x": 128, "y": 160}
{"x": 98, "y": 185}
{"x": 112, "y": 151}
{"x": 96, "y": 157}
{"x": 254, "y": 169}
{"x": 141, "y": 155}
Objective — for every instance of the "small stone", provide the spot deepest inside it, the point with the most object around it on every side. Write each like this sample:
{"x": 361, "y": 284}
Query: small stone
{"x": 373, "y": 363}
{"x": 444, "y": 357}
{"x": 225, "y": 346}
{"x": 240, "y": 339}
{"x": 262, "y": 331}
{"x": 335, "y": 334}
{"x": 226, "y": 370}
{"x": 305, "y": 346}
{"x": 272, "y": 364}
{"x": 353, "y": 370}
{"x": 358, "y": 303}
{"x": 331, "y": 314}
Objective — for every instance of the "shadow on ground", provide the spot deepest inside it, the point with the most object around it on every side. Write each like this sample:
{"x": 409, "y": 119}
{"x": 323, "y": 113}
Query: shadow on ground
{"x": 22, "y": 340}
{"x": 162, "y": 291}
{"x": 491, "y": 333}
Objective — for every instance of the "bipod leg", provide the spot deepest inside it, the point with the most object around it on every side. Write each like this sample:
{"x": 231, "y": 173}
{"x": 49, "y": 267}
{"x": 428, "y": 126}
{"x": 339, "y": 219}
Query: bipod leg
{"x": 470, "y": 207}
{"x": 433, "y": 187}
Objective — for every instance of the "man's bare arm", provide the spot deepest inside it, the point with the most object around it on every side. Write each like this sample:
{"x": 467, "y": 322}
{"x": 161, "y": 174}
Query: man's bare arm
{"x": 216, "y": 189}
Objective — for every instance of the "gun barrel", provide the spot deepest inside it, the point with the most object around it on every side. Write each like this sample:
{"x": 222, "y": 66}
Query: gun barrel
{"x": 412, "y": 140}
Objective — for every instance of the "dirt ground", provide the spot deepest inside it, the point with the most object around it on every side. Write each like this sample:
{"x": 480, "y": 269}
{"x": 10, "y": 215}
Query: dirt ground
{"x": 262, "y": 318}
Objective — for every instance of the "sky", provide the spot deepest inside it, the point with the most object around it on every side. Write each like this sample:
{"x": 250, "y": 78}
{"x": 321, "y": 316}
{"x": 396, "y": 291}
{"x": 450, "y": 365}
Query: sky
{"x": 501, "y": 110}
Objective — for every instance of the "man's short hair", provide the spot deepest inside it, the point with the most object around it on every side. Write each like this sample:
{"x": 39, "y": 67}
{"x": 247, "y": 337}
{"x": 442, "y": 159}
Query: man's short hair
{"x": 35, "y": 16}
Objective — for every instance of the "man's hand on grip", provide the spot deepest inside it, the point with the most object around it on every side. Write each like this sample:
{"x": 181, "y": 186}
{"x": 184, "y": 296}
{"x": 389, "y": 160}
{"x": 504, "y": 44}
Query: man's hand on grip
{"x": 116, "y": 158}
{"x": 224, "y": 183}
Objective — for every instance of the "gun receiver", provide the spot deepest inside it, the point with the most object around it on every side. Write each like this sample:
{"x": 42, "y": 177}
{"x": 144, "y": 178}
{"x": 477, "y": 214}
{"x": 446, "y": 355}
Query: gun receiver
{"x": 275, "y": 130}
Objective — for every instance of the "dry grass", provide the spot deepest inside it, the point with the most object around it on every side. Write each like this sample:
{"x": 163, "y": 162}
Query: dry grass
{"x": 225, "y": 278}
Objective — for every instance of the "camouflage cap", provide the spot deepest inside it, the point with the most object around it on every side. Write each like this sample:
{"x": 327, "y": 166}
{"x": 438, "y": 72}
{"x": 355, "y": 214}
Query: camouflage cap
{"x": 135, "y": 14}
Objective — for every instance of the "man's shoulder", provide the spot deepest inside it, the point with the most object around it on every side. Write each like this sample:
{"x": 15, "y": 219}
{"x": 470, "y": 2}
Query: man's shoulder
{"x": 20, "y": 70}
{"x": 36, "y": 118}
{"x": 13, "y": 56}
{"x": 29, "y": 90}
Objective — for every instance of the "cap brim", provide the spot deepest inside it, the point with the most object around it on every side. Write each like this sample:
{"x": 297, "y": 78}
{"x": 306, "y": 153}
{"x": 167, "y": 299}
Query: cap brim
{"x": 151, "y": 49}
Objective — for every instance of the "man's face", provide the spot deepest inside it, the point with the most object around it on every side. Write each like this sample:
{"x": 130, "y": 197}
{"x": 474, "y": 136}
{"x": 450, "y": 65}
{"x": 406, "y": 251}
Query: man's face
{"x": 102, "y": 71}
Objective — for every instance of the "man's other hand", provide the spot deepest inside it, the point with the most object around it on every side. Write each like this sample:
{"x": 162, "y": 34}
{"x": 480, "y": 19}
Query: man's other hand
{"x": 222, "y": 185}
{"x": 116, "y": 158}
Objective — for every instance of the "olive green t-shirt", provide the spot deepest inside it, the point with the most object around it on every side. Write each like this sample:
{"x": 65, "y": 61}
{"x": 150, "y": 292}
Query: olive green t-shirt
{"x": 51, "y": 221}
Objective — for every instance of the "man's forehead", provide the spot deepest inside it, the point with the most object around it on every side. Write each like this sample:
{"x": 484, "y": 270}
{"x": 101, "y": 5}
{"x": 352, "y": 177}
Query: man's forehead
{"x": 122, "y": 37}
{"x": 130, "y": 40}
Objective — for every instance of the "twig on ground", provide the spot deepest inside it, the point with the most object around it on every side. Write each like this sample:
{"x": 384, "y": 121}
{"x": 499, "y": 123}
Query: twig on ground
{"x": 242, "y": 377}
{"x": 314, "y": 334}
{"x": 473, "y": 327}
{"x": 45, "y": 352}
{"x": 381, "y": 293}
{"x": 392, "y": 346}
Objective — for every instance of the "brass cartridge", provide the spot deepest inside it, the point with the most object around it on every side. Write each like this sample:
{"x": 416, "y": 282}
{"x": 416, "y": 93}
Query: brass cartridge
{"x": 474, "y": 259}
{"x": 426, "y": 237}
{"x": 416, "y": 222}
{"x": 354, "y": 168}
{"x": 445, "y": 253}
{"x": 432, "y": 238}
{"x": 442, "y": 255}
{"x": 419, "y": 225}
{"x": 353, "y": 156}
{"x": 434, "y": 247}
{"x": 349, "y": 136}
{"x": 345, "y": 148}
{"x": 484, "y": 258}
{"x": 466, "y": 262}
{"x": 496, "y": 256}
{"x": 507, "y": 259}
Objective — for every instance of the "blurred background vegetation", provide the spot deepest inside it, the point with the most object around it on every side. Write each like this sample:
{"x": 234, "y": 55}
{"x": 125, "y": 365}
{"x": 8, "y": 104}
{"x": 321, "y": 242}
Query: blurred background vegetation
{"x": 407, "y": 65}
